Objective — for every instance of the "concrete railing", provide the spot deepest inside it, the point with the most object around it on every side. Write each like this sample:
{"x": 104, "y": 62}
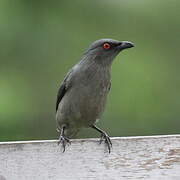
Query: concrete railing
{"x": 151, "y": 157}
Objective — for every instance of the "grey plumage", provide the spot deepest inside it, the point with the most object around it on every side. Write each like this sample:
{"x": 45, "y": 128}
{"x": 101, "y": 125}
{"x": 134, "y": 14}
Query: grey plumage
{"x": 82, "y": 95}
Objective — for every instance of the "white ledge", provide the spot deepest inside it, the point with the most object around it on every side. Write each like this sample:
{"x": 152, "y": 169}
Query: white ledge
{"x": 139, "y": 157}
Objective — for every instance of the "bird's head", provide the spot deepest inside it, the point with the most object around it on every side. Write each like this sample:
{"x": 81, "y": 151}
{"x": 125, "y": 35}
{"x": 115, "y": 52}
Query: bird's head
{"x": 105, "y": 50}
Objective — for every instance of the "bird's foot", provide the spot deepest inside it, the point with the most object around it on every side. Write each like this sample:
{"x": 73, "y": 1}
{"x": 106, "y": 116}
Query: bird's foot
{"x": 106, "y": 138}
{"x": 64, "y": 141}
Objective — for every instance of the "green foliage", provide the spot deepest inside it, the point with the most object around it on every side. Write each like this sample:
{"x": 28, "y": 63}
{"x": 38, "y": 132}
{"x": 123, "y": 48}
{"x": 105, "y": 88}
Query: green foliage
{"x": 41, "y": 40}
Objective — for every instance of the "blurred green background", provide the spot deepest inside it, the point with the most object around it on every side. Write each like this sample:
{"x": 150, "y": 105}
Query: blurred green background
{"x": 41, "y": 40}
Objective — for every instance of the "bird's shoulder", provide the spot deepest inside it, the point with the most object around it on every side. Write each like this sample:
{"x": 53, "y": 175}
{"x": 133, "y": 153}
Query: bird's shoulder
{"x": 67, "y": 83}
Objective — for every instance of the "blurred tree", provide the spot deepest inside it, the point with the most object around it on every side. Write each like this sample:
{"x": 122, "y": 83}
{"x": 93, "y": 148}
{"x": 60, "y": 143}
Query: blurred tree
{"x": 41, "y": 40}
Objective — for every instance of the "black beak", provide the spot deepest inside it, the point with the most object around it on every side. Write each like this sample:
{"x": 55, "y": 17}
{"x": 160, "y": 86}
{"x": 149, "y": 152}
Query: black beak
{"x": 125, "y": 45}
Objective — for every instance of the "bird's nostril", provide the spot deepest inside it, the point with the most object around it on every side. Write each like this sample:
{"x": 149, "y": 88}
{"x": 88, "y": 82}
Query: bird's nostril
{"x": 119, "y": 44}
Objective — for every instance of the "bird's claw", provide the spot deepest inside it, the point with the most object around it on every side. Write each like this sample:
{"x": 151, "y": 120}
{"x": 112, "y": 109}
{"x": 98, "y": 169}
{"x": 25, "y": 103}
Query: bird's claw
{"x": 64, "y": 140}
{"x": 57, "y": 129}
{"x": 106, "y": 138}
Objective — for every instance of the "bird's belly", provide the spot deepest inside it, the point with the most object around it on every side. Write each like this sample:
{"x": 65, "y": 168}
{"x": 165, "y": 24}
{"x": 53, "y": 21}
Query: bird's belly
{"x": 90, "y": 105}
{"x": 82, "y": 108}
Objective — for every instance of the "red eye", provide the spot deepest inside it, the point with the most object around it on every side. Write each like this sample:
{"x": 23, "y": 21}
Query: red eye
{"x": 106, "y": 45}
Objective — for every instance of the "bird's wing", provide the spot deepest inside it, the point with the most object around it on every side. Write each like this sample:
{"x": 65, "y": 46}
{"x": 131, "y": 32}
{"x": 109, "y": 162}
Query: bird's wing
{"x": 63, "y": 88}
{"x": 109, "y": 86}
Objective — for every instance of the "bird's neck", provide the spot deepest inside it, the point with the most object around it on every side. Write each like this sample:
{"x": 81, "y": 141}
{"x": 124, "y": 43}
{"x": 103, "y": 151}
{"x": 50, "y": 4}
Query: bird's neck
{"x": 98, "y": 61}
{"x": 95, "y": 70}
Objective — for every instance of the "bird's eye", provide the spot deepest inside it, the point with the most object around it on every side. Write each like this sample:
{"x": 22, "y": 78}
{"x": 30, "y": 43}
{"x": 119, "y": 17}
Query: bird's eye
{"x": 106, "y": 46}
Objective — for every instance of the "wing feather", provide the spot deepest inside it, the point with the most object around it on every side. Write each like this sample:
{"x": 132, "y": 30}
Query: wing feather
{"x": 63, "y": 88}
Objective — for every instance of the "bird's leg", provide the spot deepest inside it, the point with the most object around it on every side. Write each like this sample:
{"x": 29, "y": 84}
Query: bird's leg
{"x": 63, "y": 139}
{"x": 104, "y": 136}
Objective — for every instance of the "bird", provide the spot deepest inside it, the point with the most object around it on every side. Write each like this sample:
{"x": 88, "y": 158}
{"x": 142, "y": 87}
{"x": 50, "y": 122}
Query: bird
{"x": 82, "y": 95}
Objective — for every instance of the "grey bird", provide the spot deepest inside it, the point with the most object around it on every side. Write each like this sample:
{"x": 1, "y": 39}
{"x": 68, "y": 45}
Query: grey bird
{"x": 82, "y": 95}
